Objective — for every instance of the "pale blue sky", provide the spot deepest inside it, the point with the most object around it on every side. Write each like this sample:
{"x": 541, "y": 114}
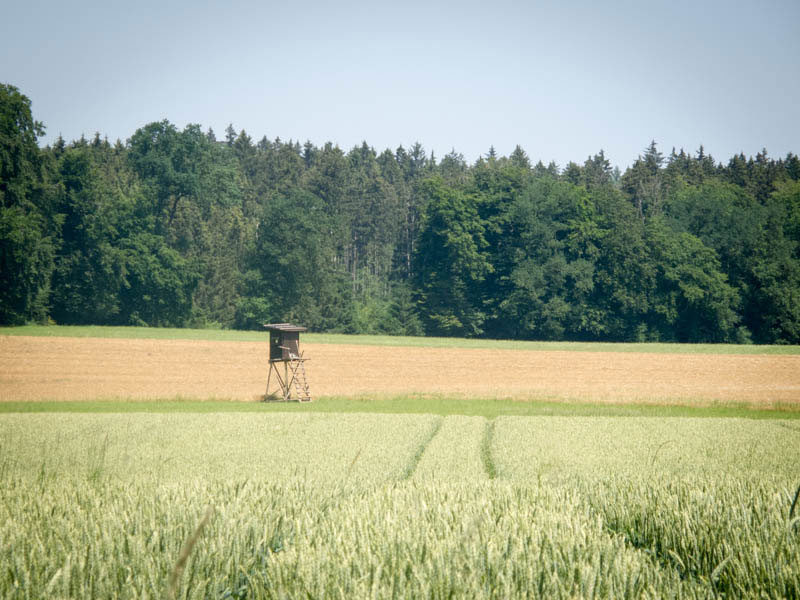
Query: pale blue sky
{"x": 562, "y": 79}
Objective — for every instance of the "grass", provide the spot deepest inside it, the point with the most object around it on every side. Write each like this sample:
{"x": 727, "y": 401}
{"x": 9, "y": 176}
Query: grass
{"x": 558, "y": 449}
{"x": 230, "y": 335}
{"x": 284, "y": 504}
{"x": 435, "y": 405}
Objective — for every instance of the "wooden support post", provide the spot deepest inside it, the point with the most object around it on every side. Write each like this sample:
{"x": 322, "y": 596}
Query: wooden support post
{"x": 287, "y": 391}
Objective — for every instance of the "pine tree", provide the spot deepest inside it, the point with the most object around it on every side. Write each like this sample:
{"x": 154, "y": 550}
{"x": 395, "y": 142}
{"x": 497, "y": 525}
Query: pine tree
{"x": 230, "y": 134}
{"x": 519, "y": 159}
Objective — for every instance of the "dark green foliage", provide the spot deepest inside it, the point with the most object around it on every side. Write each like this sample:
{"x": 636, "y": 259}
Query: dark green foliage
{"x": 176, "y": 228}
{"x": 403, "y": 318}
{"x": 252, "y": 312}
{"x": 293, "y": 268}
{"x": 20, "y": 166}
{"x": 544, "y": 284}
{"x": 451, "y": 262}
{"x": 26, "y": 242}
{"x": 26, "y": 262}
{"x": 786, "y": 201}
{"x": 90, "y": 265}
{"x": 692, "y": 300}
{"x": 158, "y": 284}
{"x": 754, "y": 250}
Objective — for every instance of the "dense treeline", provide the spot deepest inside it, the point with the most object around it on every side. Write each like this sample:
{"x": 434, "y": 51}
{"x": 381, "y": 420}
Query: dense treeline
{"x": 177, "y": 228}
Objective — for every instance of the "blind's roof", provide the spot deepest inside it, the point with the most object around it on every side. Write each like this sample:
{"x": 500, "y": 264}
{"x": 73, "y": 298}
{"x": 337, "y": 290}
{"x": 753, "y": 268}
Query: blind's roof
{"x": 283, "y": 327}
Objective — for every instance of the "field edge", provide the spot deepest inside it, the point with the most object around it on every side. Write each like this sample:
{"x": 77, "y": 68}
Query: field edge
{"x": 434, "y": 405}
{"x": 231, "y": 335}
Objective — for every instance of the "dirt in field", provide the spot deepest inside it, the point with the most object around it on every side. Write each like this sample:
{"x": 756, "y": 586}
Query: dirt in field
{"x": 38, "y": 368}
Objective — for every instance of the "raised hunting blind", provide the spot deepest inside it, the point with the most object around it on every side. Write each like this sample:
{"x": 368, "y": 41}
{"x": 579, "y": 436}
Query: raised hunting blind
{"x": 284, "y": 347}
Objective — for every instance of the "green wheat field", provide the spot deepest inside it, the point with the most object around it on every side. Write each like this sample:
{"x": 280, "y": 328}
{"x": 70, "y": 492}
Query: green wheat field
{"x": 357, "y": 505}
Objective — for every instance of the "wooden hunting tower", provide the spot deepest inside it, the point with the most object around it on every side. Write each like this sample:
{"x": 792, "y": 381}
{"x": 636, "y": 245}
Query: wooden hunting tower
{"x": 284, "y": 347}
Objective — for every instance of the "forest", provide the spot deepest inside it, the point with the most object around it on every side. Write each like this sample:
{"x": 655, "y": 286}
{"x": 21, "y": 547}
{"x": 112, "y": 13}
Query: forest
{"x": 175, "y": 227}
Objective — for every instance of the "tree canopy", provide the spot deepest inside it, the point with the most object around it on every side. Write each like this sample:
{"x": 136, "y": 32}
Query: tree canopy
{"x": 176, "y": 228}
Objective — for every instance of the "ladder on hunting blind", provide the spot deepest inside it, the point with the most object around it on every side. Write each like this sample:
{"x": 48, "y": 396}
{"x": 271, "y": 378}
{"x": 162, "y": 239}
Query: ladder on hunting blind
{"x": 299, "y": 378}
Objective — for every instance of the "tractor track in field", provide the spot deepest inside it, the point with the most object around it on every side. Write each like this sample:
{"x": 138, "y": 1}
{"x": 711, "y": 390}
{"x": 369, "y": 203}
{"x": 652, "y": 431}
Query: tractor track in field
{"x": 486, "y": 450}
{"x": 457, "y": 451}
{"x": 426, "y": 441}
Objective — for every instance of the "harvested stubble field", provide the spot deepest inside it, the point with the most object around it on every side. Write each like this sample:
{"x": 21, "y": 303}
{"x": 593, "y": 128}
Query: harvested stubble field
{"x": 70, "y": 368}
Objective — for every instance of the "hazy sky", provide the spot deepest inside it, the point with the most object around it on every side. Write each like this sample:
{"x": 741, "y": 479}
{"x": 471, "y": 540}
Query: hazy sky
{"x": 562, "y": 79}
